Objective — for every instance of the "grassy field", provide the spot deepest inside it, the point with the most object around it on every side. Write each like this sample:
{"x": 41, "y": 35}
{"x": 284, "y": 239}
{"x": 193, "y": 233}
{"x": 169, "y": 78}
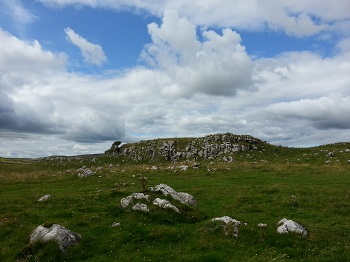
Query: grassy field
{"x": 260, "y": 186}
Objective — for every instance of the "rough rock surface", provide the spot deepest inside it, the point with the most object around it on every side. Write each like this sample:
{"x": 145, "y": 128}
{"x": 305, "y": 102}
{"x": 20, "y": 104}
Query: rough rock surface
{"x": 127, "y": 201}
{"x": 61, "y": 235}
{"x": 162, "y": 203}
{"x": 229, "y": 224}
{"x": 208, "y": 147}
{"x": 182, "y": 197}
{"x": 140, "y": 207}
{"x": 44, "y": 198}
{"x": 285, "y": 226}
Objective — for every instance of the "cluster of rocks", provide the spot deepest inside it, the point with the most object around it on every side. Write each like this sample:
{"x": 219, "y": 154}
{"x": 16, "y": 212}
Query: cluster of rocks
{"x": 86, "y": 172}
{"x": 284, "y": 226}
{"x": 66, "y": 238}
{"x": 208, "y": 147}
{"x": 182, "y": 197}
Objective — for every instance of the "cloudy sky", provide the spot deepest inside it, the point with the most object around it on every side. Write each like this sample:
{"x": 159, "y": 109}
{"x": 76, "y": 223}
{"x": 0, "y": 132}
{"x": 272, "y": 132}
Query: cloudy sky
{"x": 76, "y": 75}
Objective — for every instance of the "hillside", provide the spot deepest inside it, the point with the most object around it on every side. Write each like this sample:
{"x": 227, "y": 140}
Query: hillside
{"x": 242, "y": 177}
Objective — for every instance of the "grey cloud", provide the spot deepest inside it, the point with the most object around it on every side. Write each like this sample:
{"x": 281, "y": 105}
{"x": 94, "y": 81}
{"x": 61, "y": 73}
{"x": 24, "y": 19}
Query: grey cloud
{"x": 324, "y": 113}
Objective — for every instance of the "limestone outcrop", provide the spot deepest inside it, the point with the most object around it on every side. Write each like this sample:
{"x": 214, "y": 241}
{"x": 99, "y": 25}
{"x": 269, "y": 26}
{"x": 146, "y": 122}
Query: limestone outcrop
{"x": 208, "y": 147}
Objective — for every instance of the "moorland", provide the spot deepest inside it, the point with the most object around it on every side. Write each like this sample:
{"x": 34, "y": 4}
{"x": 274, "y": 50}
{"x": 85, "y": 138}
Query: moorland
{"x": 263, "y": 185}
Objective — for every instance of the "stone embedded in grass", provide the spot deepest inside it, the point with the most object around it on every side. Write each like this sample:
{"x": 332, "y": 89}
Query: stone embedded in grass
{"x": 85, "y": 172}
{"x": 115, "y": 224}
{"x": 262, "y": 225}
{"x": 285, "y": 226}
{"x": 182, "y": 197}
{"x": 140, "y": 207}
{"x": 165, "y": 204}
{"x": 230, "y": 224}
{"x": 44, "y": 198}
{"x": 61, "y": 235}
{"x": 127, "y": 201}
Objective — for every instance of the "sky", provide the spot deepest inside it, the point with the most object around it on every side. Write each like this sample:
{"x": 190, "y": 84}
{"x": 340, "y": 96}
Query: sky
{"x": 77, "y": 75}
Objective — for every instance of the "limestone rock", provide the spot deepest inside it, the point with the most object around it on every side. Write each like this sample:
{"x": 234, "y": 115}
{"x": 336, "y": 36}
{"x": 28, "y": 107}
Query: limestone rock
{"x": 127, "y": 201}
{"x": 285, "y": 226}
{"x": 140, "y": 207}
{"x": 115, "y": 224}
{"x": 85, "y": 172}
{"x": 162, "y": 203}
{"x": 230, "y": 224}
{"x": 182, "y": 197}
{"x": 61, "y": 235}
{"x": 44, "y": 198}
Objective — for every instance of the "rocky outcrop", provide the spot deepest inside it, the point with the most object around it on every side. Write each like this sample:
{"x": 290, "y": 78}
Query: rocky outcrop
{"x": 285, "y": 226}
{"x": 61, "y": 235}
{"x": 208, "y": 147}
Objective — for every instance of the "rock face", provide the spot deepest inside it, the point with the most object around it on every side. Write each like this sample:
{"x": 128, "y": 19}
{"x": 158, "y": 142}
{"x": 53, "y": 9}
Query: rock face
{"x": 285, "y": 226}
{"x": 182, "y": 197}
{"x": 61, "y": 235}
{"x": 208, "y": 147}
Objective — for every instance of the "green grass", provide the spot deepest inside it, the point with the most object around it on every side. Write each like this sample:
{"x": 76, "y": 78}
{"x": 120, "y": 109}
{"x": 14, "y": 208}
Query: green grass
{"x": 261, "y": 186}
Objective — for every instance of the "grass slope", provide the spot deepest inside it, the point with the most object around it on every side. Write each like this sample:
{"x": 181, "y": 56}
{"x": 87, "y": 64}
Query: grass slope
{"x": 261, "y": 186}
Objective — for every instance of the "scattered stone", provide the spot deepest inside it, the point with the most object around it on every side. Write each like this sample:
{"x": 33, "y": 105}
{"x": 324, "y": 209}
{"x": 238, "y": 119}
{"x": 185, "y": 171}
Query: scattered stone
{"x": 155, "y": 168}
{"x": 262, "y": 225}
{"x": 140, "y": 207}
{"x": 61, "y": 235}
{"x": 162, "y": 203}
{"x": 44, "y": 198}
{"x": 184, "y": 198}
{"x": 85, "y": 172}
{"x": 183, "y": 167}
{"x": 127, "y": 201}
{"x": 230, "y": 224}
{"x": 115, "y": 224}
{"x": 330, "y": 154}
{"x": 285, "y": 226}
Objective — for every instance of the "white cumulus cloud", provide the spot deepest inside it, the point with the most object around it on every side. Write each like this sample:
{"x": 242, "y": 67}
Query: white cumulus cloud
{"x": 218, "y": 65}
{"x": 92, "y": 53}
{"x": 298, "y": 18}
